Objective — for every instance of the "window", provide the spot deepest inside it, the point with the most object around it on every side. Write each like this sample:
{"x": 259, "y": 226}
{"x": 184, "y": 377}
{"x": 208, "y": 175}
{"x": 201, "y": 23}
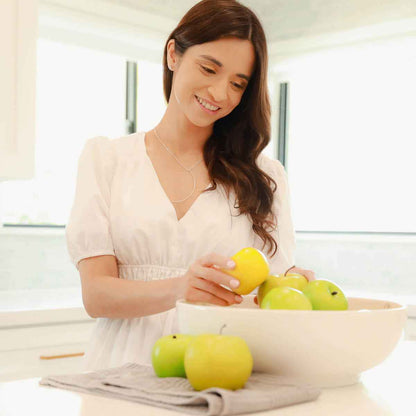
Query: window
{"x": 352, "y": 138}
{"x": 80, "y": 94}
{"x": 150, "y": 98}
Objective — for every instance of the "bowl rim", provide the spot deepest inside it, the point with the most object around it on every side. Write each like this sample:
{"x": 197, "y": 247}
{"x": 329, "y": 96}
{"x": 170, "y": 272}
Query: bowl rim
{"x": 396, "y": 307}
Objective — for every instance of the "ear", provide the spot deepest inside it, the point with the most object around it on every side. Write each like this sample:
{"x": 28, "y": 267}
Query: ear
{"x": 171, "y": 55}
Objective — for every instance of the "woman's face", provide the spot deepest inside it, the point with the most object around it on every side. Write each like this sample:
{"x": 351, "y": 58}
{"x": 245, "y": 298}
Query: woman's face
{"x": 213, "y": 74}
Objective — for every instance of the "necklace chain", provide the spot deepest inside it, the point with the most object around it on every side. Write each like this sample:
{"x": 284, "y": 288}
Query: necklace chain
{"x": 189, "y": 170}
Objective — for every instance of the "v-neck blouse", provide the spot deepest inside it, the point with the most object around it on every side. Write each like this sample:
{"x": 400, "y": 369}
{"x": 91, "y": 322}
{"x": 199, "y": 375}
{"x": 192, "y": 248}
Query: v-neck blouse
{"x": 121, "y": 209}
{"x": 148, "y": 160}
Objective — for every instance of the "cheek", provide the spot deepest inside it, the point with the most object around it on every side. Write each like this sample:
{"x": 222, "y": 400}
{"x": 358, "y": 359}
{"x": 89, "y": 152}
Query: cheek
{"x": 183, "y": 82}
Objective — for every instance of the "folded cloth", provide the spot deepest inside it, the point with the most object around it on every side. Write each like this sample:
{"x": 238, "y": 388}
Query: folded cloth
{"x": 139, "y": 383}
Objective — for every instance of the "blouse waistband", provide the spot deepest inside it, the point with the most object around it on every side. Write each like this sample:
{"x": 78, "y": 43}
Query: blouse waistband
{"x": 148, "y": 271}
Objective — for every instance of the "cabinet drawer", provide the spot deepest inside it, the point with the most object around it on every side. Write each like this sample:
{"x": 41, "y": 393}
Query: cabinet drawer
{"x": 21, "y": 349}
{"x": 26, "y": 363}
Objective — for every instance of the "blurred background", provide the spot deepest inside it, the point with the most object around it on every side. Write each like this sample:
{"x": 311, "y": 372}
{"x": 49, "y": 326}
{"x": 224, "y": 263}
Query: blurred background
{"x": 342, "y": 86}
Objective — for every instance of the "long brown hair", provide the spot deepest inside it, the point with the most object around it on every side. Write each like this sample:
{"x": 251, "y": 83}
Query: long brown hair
{"x": 231, "y": 151}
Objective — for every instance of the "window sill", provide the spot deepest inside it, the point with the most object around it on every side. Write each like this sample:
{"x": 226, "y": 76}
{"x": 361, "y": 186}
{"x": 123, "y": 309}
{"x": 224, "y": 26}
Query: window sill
{"x": 31, "y": 230}
{"x": 41, "y": 307}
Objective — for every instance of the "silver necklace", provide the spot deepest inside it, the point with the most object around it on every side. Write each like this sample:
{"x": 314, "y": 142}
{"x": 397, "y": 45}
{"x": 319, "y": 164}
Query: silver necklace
{"x": 189, "y": 170}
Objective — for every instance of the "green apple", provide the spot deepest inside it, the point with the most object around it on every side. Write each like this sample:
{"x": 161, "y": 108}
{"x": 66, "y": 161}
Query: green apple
{"x": 251, "y": 269}
{"x": 168, "y": 355}
{"x": 265, "y": 287}
{"x": 325, "y": 295}
{"x": 294, "y": 280}
{"x": 223, "y": 361}
{"x": 285, "y": 298}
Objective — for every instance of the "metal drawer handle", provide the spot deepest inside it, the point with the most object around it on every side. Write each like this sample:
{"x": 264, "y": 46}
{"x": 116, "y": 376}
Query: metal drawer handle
{"x": 54, "y": 357}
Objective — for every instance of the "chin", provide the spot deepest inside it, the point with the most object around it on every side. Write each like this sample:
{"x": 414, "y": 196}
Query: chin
{"x": 201, "y": 123}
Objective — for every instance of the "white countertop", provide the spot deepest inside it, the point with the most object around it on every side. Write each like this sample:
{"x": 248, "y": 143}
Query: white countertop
{"x": 388, "y": 389}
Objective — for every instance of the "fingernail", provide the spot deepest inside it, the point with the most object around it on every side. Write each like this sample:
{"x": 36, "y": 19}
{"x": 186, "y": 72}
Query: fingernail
{"x": 230, "y": 264}
{"x": 235, "y": 283}
{"x": 238, "y": 298}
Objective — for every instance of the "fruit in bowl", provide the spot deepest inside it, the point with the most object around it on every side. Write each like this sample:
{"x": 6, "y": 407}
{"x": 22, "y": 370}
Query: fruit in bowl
{"x": 322, "y": 294}
{"x": 294, "y": 280}
{"x": 223, "y": 361}
{"x": 325, "y": 295}
{"x": 168, "y": 355}
{"x": 326, "y": 348}
{"x": 285, "y": 298}
{"x": 252, "y": 269}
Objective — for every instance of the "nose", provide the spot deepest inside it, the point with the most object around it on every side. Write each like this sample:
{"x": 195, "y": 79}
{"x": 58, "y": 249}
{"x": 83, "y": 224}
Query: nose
{"x": 218, "y": 91}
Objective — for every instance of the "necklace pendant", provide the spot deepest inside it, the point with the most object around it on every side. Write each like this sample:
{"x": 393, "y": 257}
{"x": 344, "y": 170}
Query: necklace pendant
{"x": 189, "y": 170}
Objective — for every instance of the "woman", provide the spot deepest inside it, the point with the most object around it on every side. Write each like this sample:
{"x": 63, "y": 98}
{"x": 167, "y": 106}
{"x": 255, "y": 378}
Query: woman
{"x": 157, "y": 214}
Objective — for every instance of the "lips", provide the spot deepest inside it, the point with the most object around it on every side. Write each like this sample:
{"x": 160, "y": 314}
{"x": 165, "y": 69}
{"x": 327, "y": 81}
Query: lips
{"x": 204, "y": 108}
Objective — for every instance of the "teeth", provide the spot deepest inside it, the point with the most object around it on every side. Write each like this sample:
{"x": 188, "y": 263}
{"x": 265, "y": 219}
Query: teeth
{"x": 206, "y": 105}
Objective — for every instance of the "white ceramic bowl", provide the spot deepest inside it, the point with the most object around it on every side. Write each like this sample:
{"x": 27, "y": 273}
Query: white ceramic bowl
{"x": 323, "y": 348}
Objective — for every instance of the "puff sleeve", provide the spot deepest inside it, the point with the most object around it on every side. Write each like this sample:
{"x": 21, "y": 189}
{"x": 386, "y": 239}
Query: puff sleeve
{"x": 88, "y": 230}
{"x": 284, "y": 233}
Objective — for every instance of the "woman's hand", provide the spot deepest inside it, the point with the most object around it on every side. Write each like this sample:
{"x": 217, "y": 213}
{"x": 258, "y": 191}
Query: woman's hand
{"x": 309, "y": 274}
{"x": 201, "y": 283}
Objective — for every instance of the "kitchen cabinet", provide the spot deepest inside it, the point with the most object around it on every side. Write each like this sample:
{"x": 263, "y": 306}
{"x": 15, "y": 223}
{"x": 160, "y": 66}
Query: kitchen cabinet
{"x": 18, "y": 38}
{"x": 26, "y": 349}
{"x": 21, "y": 364}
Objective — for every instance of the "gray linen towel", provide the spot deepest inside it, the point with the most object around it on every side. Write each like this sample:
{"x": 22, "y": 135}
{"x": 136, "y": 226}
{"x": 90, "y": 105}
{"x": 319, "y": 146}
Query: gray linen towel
{"x": 139, "y": 383}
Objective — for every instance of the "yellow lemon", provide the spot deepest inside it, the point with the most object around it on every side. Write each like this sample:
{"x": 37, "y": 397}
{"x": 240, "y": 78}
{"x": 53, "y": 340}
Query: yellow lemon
{"x": 252, "y": 269}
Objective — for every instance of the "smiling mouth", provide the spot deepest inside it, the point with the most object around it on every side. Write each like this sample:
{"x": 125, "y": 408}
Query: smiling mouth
{"x": 213, "y": 109}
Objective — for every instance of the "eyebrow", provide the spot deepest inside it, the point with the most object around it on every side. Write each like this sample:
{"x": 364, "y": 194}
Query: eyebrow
{"x": 216, "y": 62}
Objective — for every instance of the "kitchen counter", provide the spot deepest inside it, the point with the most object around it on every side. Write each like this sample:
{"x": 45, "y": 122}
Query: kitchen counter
{"x": 388, "y": 389}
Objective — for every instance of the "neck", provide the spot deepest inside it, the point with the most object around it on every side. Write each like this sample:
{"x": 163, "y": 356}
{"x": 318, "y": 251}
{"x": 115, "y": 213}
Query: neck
{"x": 179, "y": 134}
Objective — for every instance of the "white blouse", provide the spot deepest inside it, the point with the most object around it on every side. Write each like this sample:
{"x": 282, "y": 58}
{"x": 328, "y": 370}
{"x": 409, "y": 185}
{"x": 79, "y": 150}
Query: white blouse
{"x": 121, "y": 209}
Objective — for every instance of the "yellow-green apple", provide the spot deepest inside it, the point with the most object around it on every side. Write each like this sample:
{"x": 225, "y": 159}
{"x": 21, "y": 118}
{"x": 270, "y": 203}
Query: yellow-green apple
{"x": 168, "y": 355}
{"x": 223, "y": 361}
{"x": 294, "y": 280}
{"x": 285, "y": 298}
{"x": 251, "y": 269}
{"x": 325, "y": 295}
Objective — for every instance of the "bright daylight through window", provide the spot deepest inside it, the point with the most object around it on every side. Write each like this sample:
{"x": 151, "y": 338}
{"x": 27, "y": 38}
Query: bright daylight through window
{"x": 350, "y": 143}
{"x": 80, "y": 94}
{"x": 352, "y": 138}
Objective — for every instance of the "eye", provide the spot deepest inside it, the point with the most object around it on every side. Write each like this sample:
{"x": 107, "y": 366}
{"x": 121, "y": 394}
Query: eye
{"x": 241, "y": 87}
{"x": 207, "y": 70}
{"x": 211, "y": 71}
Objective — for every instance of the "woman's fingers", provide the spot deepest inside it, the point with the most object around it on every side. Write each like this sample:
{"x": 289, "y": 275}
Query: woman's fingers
{"x": 309, "y": 274}
{"x": 215, "y": 275}
{"x": 196, "y": 295}
{"x": 208, "y": 280}
{"x": 214, "y": 259}
{"x": 216, "y": 291}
